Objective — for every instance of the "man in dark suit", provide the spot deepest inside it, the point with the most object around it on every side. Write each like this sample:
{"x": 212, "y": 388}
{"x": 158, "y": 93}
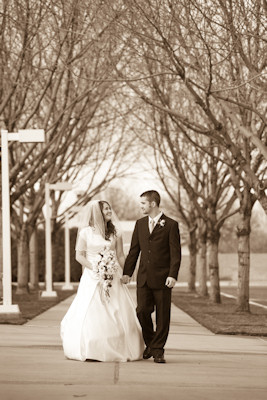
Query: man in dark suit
{"x": 157, "y": 237}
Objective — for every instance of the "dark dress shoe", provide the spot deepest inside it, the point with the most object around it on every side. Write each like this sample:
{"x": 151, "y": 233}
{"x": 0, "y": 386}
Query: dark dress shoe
{"x": 160, "y": 359}
{"x": 147, "y": 353}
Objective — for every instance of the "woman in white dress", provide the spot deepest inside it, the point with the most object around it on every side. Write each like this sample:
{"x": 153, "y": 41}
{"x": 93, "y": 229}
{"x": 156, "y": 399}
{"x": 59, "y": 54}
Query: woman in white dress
{"x": 101, "y": 323}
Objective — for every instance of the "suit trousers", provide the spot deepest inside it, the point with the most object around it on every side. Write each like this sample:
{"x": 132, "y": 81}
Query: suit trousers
{"x": 147, "y": 300}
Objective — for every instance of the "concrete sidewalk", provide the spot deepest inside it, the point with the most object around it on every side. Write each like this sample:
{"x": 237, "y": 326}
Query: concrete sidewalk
{"x": 200, "y": 365}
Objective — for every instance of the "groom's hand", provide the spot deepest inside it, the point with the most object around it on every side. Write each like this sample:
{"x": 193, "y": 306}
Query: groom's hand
{"x": 125, "y": 279}
{"x": 170, "y": 282}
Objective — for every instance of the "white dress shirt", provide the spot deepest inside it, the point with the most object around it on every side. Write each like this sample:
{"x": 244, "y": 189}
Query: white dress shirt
{"x": 155, "y": 220}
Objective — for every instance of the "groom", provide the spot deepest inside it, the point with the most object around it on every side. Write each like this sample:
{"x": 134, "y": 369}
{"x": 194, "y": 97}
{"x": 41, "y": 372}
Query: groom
{"x": 157, "y": 237}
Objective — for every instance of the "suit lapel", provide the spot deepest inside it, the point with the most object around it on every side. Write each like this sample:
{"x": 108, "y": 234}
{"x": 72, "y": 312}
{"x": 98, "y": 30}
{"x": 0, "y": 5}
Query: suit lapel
{"x": 157, "y": 225}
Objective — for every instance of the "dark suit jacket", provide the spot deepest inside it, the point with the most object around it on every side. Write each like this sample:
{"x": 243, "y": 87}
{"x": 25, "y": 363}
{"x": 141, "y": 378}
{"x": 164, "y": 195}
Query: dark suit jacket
{"x": 160, "y": 252}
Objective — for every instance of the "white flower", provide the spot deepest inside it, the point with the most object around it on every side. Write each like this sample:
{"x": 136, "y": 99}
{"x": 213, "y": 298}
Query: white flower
{"x": 162, "y": 222}
{"x": 105, "y": 268}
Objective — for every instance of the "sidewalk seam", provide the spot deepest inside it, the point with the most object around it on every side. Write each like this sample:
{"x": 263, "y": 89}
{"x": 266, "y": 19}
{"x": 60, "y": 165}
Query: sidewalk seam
{"x": 116, "y": 372}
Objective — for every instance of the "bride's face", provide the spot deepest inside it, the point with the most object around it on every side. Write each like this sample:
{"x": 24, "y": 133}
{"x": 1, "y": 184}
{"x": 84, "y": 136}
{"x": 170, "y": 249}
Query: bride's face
{"x": 107, "y": 213}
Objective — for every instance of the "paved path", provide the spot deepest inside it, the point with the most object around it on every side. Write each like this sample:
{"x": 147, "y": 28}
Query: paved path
{"x": 200, "y": 365}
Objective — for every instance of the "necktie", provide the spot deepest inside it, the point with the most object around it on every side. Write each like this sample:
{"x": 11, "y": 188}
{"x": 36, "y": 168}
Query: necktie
{"x": 151, "y": 225}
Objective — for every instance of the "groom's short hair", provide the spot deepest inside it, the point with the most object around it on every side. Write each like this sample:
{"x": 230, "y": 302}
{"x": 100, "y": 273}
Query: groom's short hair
{"x": 152, "y": 195}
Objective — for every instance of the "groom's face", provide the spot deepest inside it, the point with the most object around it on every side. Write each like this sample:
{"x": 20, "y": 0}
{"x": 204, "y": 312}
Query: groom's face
{"x": 145, "y": 205}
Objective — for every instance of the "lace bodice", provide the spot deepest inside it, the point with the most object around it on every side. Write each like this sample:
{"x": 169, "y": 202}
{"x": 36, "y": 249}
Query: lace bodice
{"x": 92, "y": 243}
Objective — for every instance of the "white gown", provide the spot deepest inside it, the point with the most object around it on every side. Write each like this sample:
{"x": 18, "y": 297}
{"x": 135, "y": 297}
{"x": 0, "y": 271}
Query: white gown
{"x": 96, "y": 329}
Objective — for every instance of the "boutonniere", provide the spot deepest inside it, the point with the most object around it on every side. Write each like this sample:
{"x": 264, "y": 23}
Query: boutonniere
{"x": 162, "y": 222}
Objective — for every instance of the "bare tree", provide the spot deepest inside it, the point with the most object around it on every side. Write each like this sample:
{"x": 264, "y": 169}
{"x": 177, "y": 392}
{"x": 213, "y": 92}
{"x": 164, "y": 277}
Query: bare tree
{"x": 200, "y": 48}
{"x": 212, "y": 57}
{"x": 54, "y": 63}
{"x": 205, "y": 180}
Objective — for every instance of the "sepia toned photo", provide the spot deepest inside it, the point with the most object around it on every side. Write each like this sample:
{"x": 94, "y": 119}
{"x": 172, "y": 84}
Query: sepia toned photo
{"x": 133, "y": 257}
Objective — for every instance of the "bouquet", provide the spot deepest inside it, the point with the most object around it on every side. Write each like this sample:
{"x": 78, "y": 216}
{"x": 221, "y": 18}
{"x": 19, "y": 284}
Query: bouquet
{"x": 105, "y": 268}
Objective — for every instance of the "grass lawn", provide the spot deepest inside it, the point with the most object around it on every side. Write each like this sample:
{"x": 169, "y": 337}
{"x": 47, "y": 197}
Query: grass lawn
{"x": 31, "y": 305}
{"x": 222, "y": 318}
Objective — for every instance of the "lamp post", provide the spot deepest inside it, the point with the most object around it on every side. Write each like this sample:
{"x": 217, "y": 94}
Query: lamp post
{"x": 23, "y": 136}
{"x": 62, "y": 186}
{"x": 67, "y": 285}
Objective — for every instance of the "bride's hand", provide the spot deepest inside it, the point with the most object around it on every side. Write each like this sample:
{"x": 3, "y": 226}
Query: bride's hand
{"x": 125, "y": 279}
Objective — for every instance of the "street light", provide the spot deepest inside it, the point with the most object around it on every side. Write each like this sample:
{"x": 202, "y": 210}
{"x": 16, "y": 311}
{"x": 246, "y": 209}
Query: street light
{"x": 62, "y": 186}
{"x": 23, "y": 136}
{"x": 67, "y": 285}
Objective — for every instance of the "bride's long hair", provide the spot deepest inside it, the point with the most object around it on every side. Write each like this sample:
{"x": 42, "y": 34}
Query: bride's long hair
{"x": 110, "y": 228}
{"x": 92, "y": 215}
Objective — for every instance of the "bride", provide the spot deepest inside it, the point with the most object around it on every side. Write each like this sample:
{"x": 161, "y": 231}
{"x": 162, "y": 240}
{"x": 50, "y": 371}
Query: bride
{"x": 101, "y": 323}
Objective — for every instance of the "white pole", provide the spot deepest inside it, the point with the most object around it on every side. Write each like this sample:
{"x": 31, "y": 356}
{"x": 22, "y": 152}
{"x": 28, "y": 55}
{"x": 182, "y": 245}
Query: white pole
{"x": 67, "y": 285}
{"x": 48, "y": 248}
{"x": 7, "y": 306}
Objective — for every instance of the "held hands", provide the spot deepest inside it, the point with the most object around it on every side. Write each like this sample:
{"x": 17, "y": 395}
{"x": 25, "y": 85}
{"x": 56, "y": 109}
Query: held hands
{"x": 170, "y": 282}
{"x": 125, "y": 279}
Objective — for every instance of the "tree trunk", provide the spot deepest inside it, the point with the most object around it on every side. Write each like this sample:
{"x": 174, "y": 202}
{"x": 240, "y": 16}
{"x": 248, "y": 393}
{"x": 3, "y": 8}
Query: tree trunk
{"x": 1, "y": 250}
{"x": 243, "y": 233}
{"x": 193, "y": 261}
{"x": 34, "y": 267}
{"x": 214, "y": 292}
{"x": 23, "y": 261}
{"x": 203, "y": 291}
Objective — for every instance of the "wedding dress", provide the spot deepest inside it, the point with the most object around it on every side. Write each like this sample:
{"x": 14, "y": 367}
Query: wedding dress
{"x": 95, "y": 328}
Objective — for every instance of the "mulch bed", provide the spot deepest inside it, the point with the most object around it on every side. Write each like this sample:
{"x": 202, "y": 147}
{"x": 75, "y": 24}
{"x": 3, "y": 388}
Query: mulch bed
{"x": 221, "y": 318}
{"x": 31, "y": 305}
